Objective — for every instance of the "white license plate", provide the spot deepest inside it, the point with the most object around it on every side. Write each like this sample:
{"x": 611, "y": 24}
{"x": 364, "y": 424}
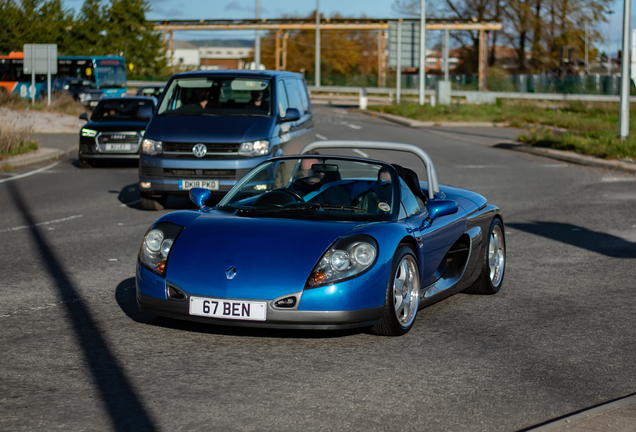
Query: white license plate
{"x": 93, "y": 103}
{"x": 117, "y": 147}
{"x": 228, "y": 309}
{"x": 206, "y": 184}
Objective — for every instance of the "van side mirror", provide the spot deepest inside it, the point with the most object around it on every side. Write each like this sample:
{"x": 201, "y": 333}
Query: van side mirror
{"x": 291, "y": 114}
{"x": 145, "y": 112}
{"x": 83, "y": 116}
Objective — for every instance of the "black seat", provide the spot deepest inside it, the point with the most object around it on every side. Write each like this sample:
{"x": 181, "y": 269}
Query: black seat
{"x": 412, "y": 181}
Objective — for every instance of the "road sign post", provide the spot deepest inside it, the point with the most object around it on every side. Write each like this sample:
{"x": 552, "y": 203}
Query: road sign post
{"x": 40, "y": 59}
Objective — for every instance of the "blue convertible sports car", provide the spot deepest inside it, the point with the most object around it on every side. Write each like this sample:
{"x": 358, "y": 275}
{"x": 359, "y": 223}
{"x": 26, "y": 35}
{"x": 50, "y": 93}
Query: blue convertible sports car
{"x": 341, "y": 242}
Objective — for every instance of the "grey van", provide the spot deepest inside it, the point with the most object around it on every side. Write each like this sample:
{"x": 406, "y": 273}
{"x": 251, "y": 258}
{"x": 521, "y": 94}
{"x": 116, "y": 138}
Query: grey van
{"x": 211, "y": 127}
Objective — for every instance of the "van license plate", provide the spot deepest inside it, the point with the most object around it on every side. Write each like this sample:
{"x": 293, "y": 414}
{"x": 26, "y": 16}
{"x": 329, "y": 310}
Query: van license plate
{"x": 206, "y": 184}
{"x": 228, "y": 309}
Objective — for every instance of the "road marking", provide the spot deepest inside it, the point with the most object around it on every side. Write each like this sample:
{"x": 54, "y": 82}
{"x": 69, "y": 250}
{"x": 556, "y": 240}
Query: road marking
{"x": 555, "y": 165}
{"x": 617, "y": 179}
{"x": 352, "y": 126}
{"x": 130, "y": 203}
{"x": 361, "y": 153}
{"x": 480, "y": 166}
{"x": 324, "y": 138}
{"x": 42, "y": 223}
{"x": 29, "y": 173}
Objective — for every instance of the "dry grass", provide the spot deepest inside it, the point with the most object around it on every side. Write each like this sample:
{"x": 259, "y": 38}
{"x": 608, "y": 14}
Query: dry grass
{"x": 15, "y": 140}
{"x": 61, "y": 103}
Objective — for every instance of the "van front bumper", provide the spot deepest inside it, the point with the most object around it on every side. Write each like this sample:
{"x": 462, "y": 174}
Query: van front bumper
{"x": 163, "y": 175}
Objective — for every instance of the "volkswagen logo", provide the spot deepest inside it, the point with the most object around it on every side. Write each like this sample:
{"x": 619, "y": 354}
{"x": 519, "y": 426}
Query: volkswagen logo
{"x": 199, "y": 150}
{"x": 230, "y": 273}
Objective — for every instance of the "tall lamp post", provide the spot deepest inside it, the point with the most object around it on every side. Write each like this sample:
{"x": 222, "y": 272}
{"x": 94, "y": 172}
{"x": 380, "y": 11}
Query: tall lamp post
{"x": 317, "y": 72}
{"x": 625, "y": 75}
{"x": 257, "y": 41}
{"x": 609, "y": 41}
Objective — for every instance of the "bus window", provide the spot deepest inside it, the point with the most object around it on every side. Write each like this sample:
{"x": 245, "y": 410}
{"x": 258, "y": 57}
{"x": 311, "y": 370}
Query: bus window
{"x": 111, "y": 73}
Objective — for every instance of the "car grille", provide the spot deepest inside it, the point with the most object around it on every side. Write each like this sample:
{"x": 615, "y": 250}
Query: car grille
{"x": 210, "y": 174}
{"x": 118, "y": 138}
{"x": 215, "y": 150}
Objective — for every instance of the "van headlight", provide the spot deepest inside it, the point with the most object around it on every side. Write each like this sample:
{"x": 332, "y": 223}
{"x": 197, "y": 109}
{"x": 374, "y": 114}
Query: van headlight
{"x": 151, "y": 147}
{"x": 254, "y": 148}
{"x": 157, "y": 245}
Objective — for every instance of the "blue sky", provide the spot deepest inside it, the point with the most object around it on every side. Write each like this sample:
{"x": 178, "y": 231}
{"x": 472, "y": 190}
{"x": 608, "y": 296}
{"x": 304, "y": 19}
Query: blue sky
{"x": 245, "y": 9}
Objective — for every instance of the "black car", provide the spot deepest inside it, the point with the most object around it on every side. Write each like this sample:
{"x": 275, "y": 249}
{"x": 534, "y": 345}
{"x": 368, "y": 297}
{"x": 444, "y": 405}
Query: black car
{"x": 151, "y": 90}
{"x": 82, "y": 90}
{"x": 115, "y": 129}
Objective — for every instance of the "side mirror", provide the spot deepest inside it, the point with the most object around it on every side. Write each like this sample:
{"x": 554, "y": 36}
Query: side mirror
{"x": 199, "y": 196}
{"x": 83, "y": 116}
{"x": 291, "y": 114}
{"x": 439, "y": 208}
{"x": 145, "y": 112}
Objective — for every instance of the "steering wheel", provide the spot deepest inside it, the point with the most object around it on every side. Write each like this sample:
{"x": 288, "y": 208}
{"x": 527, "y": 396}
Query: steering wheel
{"x": 296, "y": 196}
{"x": 278, "y": 198}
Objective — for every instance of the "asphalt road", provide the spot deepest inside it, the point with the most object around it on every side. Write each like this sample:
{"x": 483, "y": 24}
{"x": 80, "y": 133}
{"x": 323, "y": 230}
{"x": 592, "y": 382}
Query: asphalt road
{"x": 76, "y": 354}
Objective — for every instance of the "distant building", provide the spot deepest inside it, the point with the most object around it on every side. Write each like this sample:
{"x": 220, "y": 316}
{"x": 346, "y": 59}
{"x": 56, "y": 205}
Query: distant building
{"x": 185, "y": 55}
{"x": 219, "y": 58}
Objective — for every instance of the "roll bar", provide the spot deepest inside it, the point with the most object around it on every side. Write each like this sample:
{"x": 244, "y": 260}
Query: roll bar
{"x": 431, "y": 175}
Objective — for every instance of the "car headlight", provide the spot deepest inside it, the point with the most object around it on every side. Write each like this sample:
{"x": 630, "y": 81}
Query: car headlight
{"x": 151, "y": 147}
{"x": 88, "y": 132}
{"x": 157, "y": 245}
{"x": 347, "y": 258}
{"x": 254, "y": 148}
{"x": 84, "y": 97}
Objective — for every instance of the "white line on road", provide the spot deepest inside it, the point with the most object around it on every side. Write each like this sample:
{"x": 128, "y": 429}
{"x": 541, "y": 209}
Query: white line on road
{"x": 480, "y": 166}
{"x": 41, "y": 223}
{"x": 29, "y": 173}
{"x": 324, "y": 138}
{"x": 361, "y": 153}
{"x": 352, "y": 126}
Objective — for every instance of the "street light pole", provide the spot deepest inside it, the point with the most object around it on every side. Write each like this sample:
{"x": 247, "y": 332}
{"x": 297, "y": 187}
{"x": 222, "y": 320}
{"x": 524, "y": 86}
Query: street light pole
{"x": 422, "y": 53}
{"x": 625, "y": 75}
{"x": 317, "y": 79}
{"x": 609, "y": 42}
{"x": 257, "y": 41}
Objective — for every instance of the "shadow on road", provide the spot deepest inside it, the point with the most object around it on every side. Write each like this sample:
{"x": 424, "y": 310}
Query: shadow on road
{"x": 125, "y": 295}
{"x": 605, "y": 244}
{"x": 117, "y": 393}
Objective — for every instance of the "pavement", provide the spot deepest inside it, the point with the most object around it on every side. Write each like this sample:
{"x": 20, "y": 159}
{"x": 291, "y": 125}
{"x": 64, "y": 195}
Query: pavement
{"x": 616, "y": 415}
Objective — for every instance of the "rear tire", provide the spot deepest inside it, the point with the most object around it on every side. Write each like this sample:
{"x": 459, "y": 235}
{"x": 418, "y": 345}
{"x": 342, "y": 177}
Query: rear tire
{"x": 153, "y": 203}
{"x": 402, "y": 295}
{"x": 492, "y": 273}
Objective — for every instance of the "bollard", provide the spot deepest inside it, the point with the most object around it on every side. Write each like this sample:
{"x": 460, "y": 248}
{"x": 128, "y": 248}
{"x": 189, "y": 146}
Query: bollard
{"x": 432, "y": 97}
{"x": 363, "y": 98}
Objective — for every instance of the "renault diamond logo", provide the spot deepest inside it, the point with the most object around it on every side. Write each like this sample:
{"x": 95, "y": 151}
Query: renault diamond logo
{"x": 230, "y": 273}
{"x": 199, "y": 150}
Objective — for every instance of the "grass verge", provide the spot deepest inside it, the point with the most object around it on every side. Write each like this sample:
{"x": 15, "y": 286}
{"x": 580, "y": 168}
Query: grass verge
{"x": 61, "y": 103}
{"x": 586, "y": 128}
{"x": 15, "y": 140}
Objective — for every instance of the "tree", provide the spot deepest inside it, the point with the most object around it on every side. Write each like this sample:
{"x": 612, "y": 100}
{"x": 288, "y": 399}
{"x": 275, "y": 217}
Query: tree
{"x": 90, "y": 29}
{"x": 130, "y": 35}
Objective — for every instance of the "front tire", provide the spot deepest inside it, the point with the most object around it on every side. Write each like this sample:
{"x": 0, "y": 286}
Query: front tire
{"x": 492, "y": 273}
{"x": 402, "y": 295}
{"x": 153, "y": 203}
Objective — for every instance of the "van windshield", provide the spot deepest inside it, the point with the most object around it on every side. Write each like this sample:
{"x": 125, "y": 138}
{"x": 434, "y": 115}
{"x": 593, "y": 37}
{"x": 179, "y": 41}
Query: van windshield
{"x": 222, "y": 96}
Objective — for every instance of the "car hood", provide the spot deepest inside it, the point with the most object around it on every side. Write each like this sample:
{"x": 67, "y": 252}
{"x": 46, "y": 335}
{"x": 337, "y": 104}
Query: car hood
{"x": 116, "y": 126}
{"x": 272, "y": 257}
{"x": 209, "y": 129}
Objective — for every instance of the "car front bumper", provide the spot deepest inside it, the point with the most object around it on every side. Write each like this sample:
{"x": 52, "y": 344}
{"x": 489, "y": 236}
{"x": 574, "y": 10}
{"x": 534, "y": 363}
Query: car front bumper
{"x": 152, "y": 298}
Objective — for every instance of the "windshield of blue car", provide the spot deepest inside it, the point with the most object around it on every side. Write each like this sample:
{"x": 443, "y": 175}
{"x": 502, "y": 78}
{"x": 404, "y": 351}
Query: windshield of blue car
{"x": 217, "y": 97}
{"x": 119, "y": 110}
{"x": 316, "y": 187}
